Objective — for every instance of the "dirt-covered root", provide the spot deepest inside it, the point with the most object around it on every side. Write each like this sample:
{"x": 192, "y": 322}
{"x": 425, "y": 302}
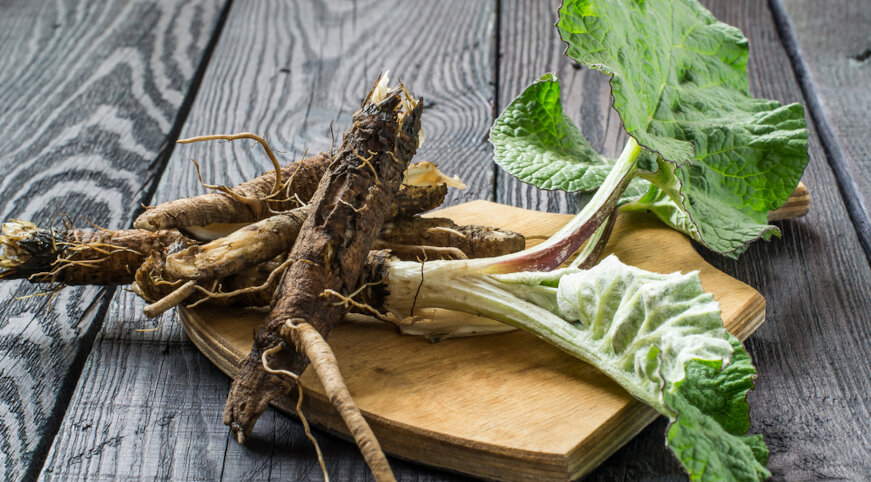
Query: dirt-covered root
{"x": 407, "y": 239}
{"x": 254, "y": 200}
{"x": 78, "y": 256}
{"x": 417, "y": 236}
{"x": 411, "y": 200}
{"x": 345, "y": 217}
{"x": 300, "y": 182}
{"x": 267, "y": 238}
{"x": 150, "y": 281}
{"x": 307, "y": 340}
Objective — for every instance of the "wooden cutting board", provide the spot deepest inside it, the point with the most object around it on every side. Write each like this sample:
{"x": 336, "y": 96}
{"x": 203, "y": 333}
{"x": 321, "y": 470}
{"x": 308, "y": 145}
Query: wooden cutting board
{"x": 502, "y": 407}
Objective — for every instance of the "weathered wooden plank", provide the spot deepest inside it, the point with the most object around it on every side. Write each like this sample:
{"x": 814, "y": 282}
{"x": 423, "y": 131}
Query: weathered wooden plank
{"x": 811, "y": 356}
{"x": 149, "y": 405}
{"x": 294, "y": 69}
{"x": 89, "y": 93}
{"x": 529, "y": 47}
{"x": 830, "y": 47}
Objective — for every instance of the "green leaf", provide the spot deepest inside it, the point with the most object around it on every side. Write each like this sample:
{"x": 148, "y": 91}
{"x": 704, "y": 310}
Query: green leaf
{"x": 537, "y": 143}
{"x": 662, "y": 339}
{"x": 707, "y": 435}
{"x": 721, "y": 228}
{"x": 679, "y": 82}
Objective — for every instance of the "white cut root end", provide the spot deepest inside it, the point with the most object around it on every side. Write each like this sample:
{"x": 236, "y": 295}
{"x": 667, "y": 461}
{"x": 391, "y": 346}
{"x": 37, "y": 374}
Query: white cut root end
{"x": 428, "y": 174}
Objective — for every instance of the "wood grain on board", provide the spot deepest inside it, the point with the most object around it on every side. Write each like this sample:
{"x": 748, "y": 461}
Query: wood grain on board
{"x": 286, "y": 70}
{"x": 89, "y": 94}
{"x": 831, "y": 50}
{"x": 455, "y": 404}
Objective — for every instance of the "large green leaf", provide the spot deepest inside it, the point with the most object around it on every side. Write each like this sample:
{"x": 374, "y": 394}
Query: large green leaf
{"x": 722, "y": 229}
{"x": 537, "y": 143}
{"x": 679, "y": 82}
{"x": 662, "y": 339}
{"x": 708, "y": 434}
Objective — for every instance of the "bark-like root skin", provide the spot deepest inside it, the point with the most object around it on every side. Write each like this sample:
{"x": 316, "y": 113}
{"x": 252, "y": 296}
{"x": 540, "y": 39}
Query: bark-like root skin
{"x": 346, "y": 214}
{"x": 78, "y": 257}
{"x": 150, "y": 281}
{"x": 411, "y": 200}
{"x": 300, "y": 183}
{"x": 300, "y": 178}
{"x": 249, "y": 246}
{"x": 474, "y": 241}
{"x": 407, "y": 239}
{"x": 267, "y": 238}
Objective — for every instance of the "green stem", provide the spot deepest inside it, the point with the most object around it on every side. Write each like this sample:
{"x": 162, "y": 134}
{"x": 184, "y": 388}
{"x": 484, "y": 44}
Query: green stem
{"x": 461, "y": 287}
{"x": 556, "y": 249}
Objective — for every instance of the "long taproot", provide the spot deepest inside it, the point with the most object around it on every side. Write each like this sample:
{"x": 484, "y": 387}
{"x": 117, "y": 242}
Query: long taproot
{"x": 346, "y": 214}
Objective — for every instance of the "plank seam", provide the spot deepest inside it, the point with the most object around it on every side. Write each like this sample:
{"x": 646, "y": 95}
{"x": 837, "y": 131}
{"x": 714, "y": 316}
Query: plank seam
{"x": 161, "y": 161}
{"x": 497, "y": 56}
{"x": 65, "y": 394}
{"x": 831, "y": 147}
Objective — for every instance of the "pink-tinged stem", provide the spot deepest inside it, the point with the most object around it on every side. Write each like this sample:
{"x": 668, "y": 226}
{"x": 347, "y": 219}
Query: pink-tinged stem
{"x": 557, "y": 249}
{"x": 589, "y": 255}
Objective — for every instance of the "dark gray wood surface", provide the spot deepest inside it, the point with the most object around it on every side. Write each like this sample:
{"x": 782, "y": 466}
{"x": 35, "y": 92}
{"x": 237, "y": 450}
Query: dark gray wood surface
{"x": 148, "y": 405}
{"x": 830, "y": 48}
{"x": 529, "y": 47}
{"x": 90, "y": 92}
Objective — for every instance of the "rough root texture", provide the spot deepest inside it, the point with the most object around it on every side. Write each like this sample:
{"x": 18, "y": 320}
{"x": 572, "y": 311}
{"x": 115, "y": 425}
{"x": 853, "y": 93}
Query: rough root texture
{"x": 474, "y": 241}
{"x": 300, "y": 178}
{"x": 346, "y": 214}
{"x": 78, "y": 257}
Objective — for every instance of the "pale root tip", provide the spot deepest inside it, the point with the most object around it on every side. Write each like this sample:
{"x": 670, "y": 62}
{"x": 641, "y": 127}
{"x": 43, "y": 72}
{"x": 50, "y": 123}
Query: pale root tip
{"x": 428, "y": 174}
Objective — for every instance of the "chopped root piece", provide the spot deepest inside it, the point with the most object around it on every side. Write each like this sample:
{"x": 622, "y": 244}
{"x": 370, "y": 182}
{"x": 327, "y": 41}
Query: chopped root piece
{"x": 473, "y": 241}
{"x": 150, "y": 280}
{"x": 265, "y": 239}
{"x": 255, "y": 200}
{"x": 418, "y": 251}
{"x": 411, "y": 200}
{"x": 249, "y": 246}
{"x": 302, "y": 179}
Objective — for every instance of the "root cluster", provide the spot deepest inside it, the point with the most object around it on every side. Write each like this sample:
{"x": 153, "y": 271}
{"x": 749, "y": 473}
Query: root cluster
{"x": 294, "y": 242}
